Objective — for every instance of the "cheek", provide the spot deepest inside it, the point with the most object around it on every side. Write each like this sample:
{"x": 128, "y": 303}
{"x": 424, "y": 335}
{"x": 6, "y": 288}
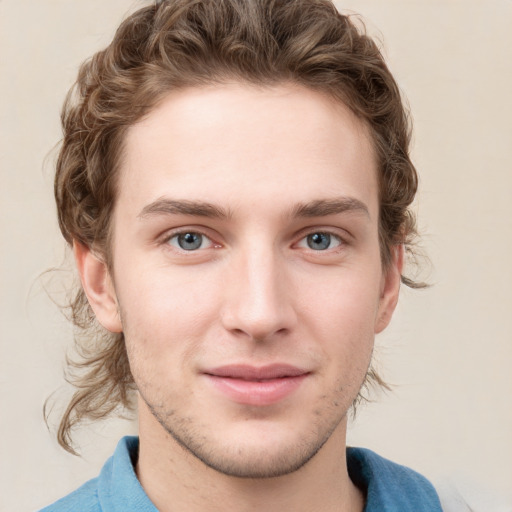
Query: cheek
{"x": 342, "y": 317}
{"x": 345, "y": 298}
{"x": 167, "y": 295}
{"x": 165, "y": 315}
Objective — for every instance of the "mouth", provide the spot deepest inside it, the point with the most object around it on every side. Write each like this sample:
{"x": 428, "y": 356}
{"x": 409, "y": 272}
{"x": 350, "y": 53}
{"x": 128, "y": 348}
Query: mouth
{"x": 250, "y": 385}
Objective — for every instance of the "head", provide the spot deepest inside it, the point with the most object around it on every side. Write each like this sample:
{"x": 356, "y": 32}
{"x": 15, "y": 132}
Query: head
{"x": 276, "y": 49}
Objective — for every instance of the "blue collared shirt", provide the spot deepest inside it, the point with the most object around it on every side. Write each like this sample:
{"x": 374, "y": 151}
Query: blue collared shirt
{"x": 389, "y": 487}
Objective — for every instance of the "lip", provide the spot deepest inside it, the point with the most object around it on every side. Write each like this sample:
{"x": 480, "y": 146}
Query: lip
{"x": 251, "y": 385}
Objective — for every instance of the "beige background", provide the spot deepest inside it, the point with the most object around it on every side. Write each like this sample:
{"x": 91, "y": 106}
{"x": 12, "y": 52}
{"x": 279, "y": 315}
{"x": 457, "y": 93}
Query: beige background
{"x": 449, "y": 349}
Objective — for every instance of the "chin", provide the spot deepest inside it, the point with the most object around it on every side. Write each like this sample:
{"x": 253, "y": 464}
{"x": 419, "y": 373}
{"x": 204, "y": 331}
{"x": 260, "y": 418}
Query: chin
{"x": 256, "y": 444}
{"x": 253, "y": 452}
{"x": 255, "y": 462}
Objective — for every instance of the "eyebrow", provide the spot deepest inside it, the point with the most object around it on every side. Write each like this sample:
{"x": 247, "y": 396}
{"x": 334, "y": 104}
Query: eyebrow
{"x": 325, "y": 207}
{"x": 183, "y": 207}
{"x": 316, "y": 208}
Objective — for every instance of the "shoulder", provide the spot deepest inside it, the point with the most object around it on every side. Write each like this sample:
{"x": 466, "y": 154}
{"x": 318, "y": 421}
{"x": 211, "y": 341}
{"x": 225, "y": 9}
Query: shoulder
{"x": 116, "y": 488}
{"x": 85, "y": 499}
{"x": 390, "y": 486}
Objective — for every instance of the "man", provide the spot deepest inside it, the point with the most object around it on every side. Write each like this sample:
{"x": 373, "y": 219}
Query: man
{"x": 234, "y": 180}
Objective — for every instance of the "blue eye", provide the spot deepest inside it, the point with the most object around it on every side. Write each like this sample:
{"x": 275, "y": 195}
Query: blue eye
{"x": 189, "y": 241}
{"x": 321, "y": 241}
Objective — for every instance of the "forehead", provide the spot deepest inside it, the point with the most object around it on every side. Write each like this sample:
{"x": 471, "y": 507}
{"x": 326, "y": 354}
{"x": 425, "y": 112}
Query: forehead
{"x": 243, "y": 145}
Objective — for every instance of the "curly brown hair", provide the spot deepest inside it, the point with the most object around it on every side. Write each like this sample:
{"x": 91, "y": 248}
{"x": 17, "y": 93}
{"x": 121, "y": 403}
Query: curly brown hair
{"x": 174, "y": 44}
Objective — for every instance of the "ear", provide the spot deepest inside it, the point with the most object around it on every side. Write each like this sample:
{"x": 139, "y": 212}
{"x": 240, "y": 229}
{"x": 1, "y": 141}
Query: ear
{"x": 390, "y": 289}
{"x": 98, "y": 287}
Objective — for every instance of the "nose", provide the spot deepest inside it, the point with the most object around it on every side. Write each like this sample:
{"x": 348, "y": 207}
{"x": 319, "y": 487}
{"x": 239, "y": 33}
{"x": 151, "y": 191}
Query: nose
{"x": 258, "y": 296}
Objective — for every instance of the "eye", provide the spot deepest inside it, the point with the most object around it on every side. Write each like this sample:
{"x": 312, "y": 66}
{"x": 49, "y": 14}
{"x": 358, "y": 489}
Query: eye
{"x": 320, "y": 241}
{"x": 190, "y": 241}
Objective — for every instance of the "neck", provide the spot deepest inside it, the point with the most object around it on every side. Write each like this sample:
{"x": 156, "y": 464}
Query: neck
{"x": 175, "y": 480}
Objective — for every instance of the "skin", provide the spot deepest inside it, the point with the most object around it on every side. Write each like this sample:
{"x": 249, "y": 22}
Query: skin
{"x": 278, "y": 168}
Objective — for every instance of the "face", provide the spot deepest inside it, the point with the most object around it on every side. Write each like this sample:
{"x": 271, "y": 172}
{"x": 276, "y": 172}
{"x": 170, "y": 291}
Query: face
{"x": 247, "y": 272}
